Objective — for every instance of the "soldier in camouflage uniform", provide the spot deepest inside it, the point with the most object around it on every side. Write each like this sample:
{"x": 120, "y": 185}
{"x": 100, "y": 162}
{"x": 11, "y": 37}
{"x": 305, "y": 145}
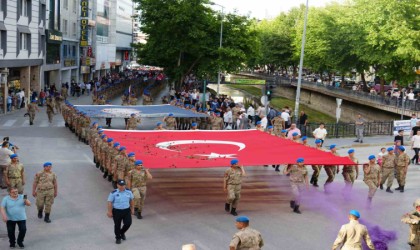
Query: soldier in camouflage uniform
{"x": 105, "y": 155}
{"x": 45, "y": 190}
{"x": 124, "y": 99}
{"x": 232, "y": 185}
{"x": 137, "y": 180}
{"x": 50, "y": 109}
{"x": 193, "y": 126}
{"x": 331, "y": 170}
{"x": 58, "y": 102}
{"x": 235, "y": 116}
{"x": 170, "y": 122}
{"x": 132, "y": 122}
{"x": 270, "y": 130}
{"x": 278, "y": 124}
{"x": 96, "y": 148}
{"x": 413, "y": 220}
{"x": 119, "y": 166}
{"x": 298, "y": 180}
{"x": 372, "y": 177}
{"x": 14, "y": 174}
{"x": 113, "y": 152}
{"x": 388, "y": 169}
{"x": 91, "y": 132}
{"x": 159, "y": 126}
{"x": 102, "y": 151}
{"x": 402, "y": 161}
{"x": 316, "y": 168}
{"x": 217, "y": 122}
{"x": 351, "y": 172}
{"x": 32, "y": 109}
{"x": 246, "y": 238}
{"x": 258, "y": 126}
{"x": 64, "y": 92}
{"x": 132, "y": 100}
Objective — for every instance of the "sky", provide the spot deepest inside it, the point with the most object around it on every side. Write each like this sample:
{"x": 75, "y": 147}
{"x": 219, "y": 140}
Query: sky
{"x": 262, "y": 9}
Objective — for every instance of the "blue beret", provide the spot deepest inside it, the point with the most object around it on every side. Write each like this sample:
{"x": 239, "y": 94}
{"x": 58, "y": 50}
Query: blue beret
{"x": 131, "y": 154}
{"x": 350, "y": 151}
{"x": 103, "y": 136}
{"x": 133, "y": 114}
{"x": 116, "y": 144}
{"x": 193, "y": 124}
{"x": 317, "y": 141}
{"x": 47, "y": 164}
{"x": 217, "y": 113}
{"x": 270, "y": 127}
{"x": 34, "y": 100}
{"x": 138, "y": 162}
{"x": 158, "y": 124}
{"x": 99, "y": 127}
{"x": 284, "y": 131}
{"x": 187, "y": 105}
{"x": 170, "y": 114}
{"x": 401, "y": 148}
{"x": 295, "y": 134}
{"x": 304, "y": 138}
{"x": 355, "y": 213}
{"x": 234, "y": 161}
{"x": 371, "y": 157}
{"x": 242, "y": 219}
{"x": 390, "y": 149}
{"x": 100, "y": 131}
{"x": 13, "y": 156}
{"x": 94, "y": 123}
{"x": 332, "y": 146}
{"x": 122, "y": 148}
{"x": 109, "y": 140}
{"x": 258, "y": 122}
{"x": 300, "y": 160}
{"x": 278, "y": 113}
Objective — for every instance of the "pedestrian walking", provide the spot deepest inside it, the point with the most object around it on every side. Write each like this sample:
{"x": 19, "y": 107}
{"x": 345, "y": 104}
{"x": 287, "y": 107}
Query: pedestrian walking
{"x": 14, "y": 174}
{"x": 372, "y": 177}
{"x": 413, "y": 220}
{"x": 298, "y": 180}
{"x": 331, "y": 170}
{"x": 351, "y": 235}
{"x": 232, "y": 185}
{"x": 137, "y": 180}
{"x": 303, "y": 120}
{"x": 360, "y": 126}
{"x": 45, "y": 191}
{"x": 50, "y": 109}
{"x": 120, "y": 208}
{"x": 13, "y": 213}
{"x": 388, "y": 169}
{"x": 247, "y": 237}
{"x": 5, "y": 161}
{"x": 416, "y": 147}
{"x": 316, "y": 168}
{"x": 351, "y": 172}
{"x": 402, "y": 162}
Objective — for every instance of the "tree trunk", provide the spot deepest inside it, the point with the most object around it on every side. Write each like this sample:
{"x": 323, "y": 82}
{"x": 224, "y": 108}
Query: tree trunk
{"x": 382, "y": 81}
{"x": 365, "y": 87}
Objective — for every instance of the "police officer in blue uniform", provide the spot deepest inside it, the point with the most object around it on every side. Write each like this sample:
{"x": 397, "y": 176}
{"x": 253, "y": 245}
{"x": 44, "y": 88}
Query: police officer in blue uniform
{"x": 120, "y": 208}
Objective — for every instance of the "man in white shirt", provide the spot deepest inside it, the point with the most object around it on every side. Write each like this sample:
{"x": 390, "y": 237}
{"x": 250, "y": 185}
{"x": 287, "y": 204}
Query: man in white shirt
{"x": 264, "y": 121}
{"x": 227, "y": 118}
{"x": 88, "y": 87}
{"x": 320, "y": 133}
{"x": 5, "y": 161}
{"x": 413, "y": 120}
{"x": 251, "y": 113}
{"x": 285, "y": 116}
{"x": 410, "y": 96}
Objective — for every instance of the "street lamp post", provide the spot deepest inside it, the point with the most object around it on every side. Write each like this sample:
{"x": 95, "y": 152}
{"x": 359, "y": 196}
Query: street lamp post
{"x": 302, "y": 53}
{"x": 221, "y": 44}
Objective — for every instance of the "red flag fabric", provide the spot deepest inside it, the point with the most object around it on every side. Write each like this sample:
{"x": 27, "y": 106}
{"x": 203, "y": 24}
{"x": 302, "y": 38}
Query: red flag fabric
{"x": 207, "y": 148}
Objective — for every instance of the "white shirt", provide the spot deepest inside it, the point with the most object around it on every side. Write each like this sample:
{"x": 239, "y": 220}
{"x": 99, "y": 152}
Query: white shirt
{"x": 264, "y": 122}
{"x": 410, "y": 96}
{"x": 413, "y": 122}
{"x": 285, "y": 116}
{"x": 88, "y": 86}
{"x": 320, "y": 133}
{"x": 250, "y": 111}
{"x": 227, "y": 117}
{"x": 5, "y": 154}
{"x": 260, "y": 111}
{"x": 416, "y": 141}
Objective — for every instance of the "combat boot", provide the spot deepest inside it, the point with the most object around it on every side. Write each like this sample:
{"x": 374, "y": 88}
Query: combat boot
{"x": 105, "y": 174}
{"x": 97, "y": 164}
{"x": 398, "y": 188}
{"x": 296, "y": 209}
{"x": 388, "y": 189}
{"x": 227, "y": 207}
{"x": 402, "y": 189}
{"x": 139, "y": 215}
{"x": 381, "y": 186}
{"x": 40, "y": 214}
{"x": 110, "y": 177}
{"x": 292, "y": 204}
{"x": 94, "y": 160}
{"x": 233, "y": 212}
{"x": 47, "y": 218}
{"x": 315, "y": 183}
{"x": 312, "y": 180}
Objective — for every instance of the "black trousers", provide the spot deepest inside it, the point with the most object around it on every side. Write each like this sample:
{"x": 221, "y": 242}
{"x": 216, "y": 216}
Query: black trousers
{"x": 11, "y": 227}
{"x": 416, "y": 155}
{"x": 121, "y": 215}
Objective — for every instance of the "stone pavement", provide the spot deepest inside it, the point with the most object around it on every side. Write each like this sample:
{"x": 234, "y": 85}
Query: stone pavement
{"x": 186, "y": 205}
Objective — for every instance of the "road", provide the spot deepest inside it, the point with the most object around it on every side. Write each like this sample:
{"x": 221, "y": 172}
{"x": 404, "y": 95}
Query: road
{"x": 187, "y": 205}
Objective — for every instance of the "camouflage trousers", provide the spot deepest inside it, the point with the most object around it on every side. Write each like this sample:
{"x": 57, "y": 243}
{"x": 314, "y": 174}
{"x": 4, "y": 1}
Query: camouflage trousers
{"x": 414, "y": 236}
{"x": 330, "y": 171}
{"x": 50, "y": 116}
{"x": 170, "y": 127}
{"x": 45, "y": 199}
{"x": 317, "y": 170}
{"x": 401, "y": 175}
{"x": 139, "y": 194}
{"x": 16, "y": 183}
{"x": 373, "y": 186}
{"x": 297, "y": 189}
{"x": 83, "y": 133}
{"x": 31, "y": 117}
{"x": 349, "y": 178}
{"x": 233, "y": 195}
{"x": 387, "y": 176}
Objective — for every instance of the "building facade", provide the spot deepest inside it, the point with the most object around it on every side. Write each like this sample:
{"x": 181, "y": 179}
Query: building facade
{"x": 22, "y": 46}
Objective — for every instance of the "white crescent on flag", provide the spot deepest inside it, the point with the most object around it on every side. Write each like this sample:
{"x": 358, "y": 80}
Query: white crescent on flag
{"x": 165, "y": 145}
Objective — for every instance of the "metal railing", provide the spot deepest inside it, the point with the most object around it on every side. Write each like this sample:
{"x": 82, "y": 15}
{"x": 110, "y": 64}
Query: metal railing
{"x": 340, "y": 130}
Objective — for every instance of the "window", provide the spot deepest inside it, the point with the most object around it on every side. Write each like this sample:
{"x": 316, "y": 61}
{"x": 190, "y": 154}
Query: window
{"x": 23, "y": 41}
{"x": 24, "y": 8}
{"x": 3, "y": 6}
{"x": 41, "y": 45}
{"x": 75, "y": 6}
{"x": 64, "y": 29}
{"x": 42, "y": 13}
{"x": 74, "y": 51}
{"x": 66, "y": 4}
{"x": 74, "y": 29}
{"x": 3, "y": 42}
{"x": 64, "y": 51}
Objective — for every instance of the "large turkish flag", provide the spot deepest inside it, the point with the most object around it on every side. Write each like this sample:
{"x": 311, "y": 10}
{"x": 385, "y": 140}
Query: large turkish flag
{"x": 201, "y": 149}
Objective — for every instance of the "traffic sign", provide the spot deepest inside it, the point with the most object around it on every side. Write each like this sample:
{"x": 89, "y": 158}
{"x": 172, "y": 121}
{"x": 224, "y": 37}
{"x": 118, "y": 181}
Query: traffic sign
{"x": 264, "y": 100}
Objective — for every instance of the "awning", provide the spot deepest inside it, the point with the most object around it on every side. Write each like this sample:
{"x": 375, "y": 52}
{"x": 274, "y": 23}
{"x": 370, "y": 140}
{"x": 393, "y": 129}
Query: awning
{"x": 23, "y": 29}
{"x": 2, "y": 26}
{"x": 203, "y": 149}
{"x": 115, "y": 111}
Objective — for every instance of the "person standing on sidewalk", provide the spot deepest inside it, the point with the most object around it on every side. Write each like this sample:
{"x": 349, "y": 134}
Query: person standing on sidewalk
{"x": 120, "y": 208}
{"x": 13, "y": 212}
{"x": 416, "y": 147}
{"x": 360, "y": 126}
{"x": 320, "y": 133}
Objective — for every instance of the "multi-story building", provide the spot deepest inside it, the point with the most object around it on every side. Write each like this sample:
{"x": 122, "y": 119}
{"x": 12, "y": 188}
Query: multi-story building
{"x": 22, "y": 46}
{"x": 124, "y": 33}
{"x": 138, "y": 36}
{"x": 52, "y": 59}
